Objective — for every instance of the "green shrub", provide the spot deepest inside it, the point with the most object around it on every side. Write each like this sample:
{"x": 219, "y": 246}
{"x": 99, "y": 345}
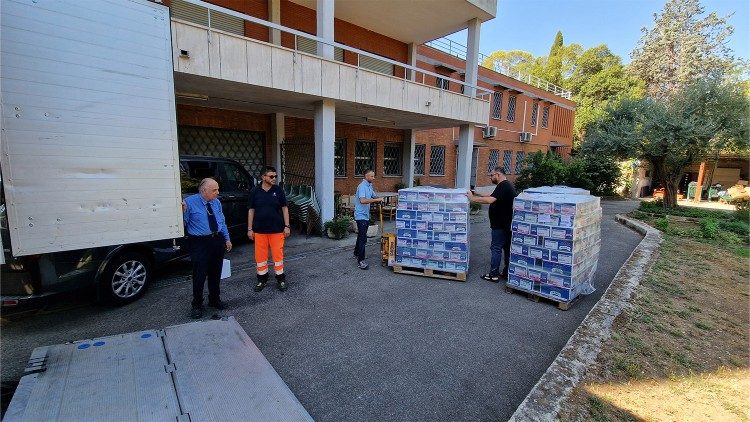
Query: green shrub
{"x": 339, "y": 227}
{"x": 662, "y": 224}
{"x": 738, "y": 227}
{"x": 743, "y": 211}
{"x": 541, "y": 169}
{"x": 475, "y": 207}
{"x": 598, "y": 174}
{"x": 709, "y": 228}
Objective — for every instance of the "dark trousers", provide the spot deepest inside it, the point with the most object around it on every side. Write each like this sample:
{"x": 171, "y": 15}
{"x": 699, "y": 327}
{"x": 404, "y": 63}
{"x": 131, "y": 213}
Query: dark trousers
{"x": 207, "y": 255}
{"x": 359, "y": 248}
{"x": 500, "y": 247}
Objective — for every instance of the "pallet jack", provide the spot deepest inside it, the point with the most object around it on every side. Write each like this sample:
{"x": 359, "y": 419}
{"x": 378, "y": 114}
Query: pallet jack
{"x": 387, "y": 243}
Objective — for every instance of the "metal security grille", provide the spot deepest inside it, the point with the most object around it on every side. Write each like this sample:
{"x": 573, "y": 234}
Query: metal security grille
{"x": 497, "y": 105}
{"x": 197, "y": 14}
{"x": 545, "y": 117}
{"x": 492, "y": 162}
{"x": 507, "y": 157}
{"x": 339, "y": 158}
{"x": 534, "y": 113}
{"x": 519, "y": 161}
{"x": 364, "y": 157}
{"x": 298, "y": 161}
{"x": 437, "y": 160}
{"x": 442, "y": 83}
{"x": 244, "y": 146}
{"x": 306, "y": 45}
{"x": 392, "y": 159}
{"x": 511, "y": 117}
{"x": 419, "y": 152}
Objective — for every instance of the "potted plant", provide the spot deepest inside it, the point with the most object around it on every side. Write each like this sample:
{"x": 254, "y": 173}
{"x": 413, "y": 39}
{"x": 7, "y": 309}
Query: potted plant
{"x": 338, "y": 228}
{"x": 372, "y": 228}
{"x": 474, "y": 208}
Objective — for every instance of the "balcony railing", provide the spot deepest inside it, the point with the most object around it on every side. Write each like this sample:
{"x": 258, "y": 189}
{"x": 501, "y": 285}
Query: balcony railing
{"x": 458, "y": 50}
{"x": 217, "y": 17}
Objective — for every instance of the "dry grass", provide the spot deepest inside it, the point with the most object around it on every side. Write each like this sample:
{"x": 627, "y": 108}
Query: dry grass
{"x": 681, "y": 352}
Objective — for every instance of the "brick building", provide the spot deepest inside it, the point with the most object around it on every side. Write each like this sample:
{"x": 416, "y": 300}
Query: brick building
{"x": 324, "y": 89}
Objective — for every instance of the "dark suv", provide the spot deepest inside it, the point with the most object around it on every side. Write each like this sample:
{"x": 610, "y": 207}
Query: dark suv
{"x": 121, "y": 273}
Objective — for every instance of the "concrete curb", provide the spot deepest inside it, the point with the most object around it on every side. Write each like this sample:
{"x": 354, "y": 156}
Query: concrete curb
{"x": 545, "y": 400}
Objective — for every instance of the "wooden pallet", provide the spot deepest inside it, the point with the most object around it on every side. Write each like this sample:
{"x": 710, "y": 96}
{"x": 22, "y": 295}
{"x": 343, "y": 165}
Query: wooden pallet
{"x": 563, "y": 306}
{"x": 428, "y": 272}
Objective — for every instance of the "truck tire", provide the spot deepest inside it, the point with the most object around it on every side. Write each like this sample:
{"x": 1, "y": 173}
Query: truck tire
{"x": 125, "y": 278}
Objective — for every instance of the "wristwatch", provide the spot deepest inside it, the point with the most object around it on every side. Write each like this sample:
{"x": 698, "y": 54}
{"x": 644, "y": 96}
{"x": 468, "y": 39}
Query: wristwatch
{"x": 287, "y": 226}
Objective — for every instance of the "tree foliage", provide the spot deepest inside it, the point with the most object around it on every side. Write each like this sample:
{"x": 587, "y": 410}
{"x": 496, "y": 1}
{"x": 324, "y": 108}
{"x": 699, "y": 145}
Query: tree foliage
{"x": 683, "y": 46}
{"x": 674, "y": 131}
{"x": 600, "y": 176}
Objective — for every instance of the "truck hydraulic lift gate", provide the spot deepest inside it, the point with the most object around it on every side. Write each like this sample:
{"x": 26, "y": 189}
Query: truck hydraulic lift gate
{"x": 200, "y": 371}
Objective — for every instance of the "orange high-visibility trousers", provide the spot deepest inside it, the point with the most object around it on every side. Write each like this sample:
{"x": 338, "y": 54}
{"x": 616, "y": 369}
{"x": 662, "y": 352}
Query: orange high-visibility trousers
{"x": 262, "y": 243}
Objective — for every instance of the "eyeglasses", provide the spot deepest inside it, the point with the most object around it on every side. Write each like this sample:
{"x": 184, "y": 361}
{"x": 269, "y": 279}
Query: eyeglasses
{"x": 271, "y": 176}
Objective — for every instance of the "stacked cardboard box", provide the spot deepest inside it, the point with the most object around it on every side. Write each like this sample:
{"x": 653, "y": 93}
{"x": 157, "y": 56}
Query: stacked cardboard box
{"x": 432, "y": 229}
{"x": 555, "y": 242}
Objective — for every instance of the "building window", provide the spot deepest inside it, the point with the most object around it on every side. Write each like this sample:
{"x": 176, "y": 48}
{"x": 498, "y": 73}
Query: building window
{"x": 497, "y": 105}
{"x": 437, "y": 160}
{"x": 492, "y": 163}
{"x": 419, "y": 150}
{"x": 534, "y": 113}
{"x": 511, "y": 117}
{"x": 339, "y": 158}
{"x": 507, "y": 156}
{"x": 545, "y": 117}
{"x": 392, "y": 159}
{"x": 364, "y": 157}
{"x": 519, "y": 161}
{"x": 442, "y": 83}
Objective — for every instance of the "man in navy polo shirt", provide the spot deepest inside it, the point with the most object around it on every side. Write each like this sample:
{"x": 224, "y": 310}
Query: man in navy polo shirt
{"x": 268, "y": 226}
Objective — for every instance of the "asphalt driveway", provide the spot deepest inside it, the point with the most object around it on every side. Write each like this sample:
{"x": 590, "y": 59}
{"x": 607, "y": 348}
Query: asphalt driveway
{"x": 363, "y": 345}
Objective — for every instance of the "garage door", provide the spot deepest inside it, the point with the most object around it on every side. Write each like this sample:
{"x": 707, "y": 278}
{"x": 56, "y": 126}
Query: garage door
{"x": 247, "y": 147}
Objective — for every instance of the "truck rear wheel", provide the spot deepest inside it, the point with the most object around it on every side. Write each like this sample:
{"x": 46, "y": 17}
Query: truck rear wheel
{"x": 126, "y": 278}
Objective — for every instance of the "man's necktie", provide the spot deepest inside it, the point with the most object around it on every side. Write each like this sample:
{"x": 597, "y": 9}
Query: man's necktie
{"x": 212, "y": 224}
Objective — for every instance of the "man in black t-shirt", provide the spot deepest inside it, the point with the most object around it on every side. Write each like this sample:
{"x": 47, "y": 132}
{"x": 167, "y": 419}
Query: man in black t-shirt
{"x": 268, "y": 226}
{"x": 501, "y": 215}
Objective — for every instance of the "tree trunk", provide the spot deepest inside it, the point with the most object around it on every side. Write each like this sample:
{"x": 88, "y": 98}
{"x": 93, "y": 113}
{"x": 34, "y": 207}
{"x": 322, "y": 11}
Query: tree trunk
{"x": 670, "y": 192}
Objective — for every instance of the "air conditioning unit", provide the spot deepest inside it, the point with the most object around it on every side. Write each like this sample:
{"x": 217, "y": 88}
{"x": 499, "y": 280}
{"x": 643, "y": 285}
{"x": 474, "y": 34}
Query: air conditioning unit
{"x": 524, "y": 136}
{"x": 489, "y": 131}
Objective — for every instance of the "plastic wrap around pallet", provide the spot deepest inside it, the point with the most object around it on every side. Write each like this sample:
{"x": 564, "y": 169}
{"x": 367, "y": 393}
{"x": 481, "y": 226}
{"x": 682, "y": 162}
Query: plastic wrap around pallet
{"x": 555, "y": 243}
{"x": 432, "y": 229}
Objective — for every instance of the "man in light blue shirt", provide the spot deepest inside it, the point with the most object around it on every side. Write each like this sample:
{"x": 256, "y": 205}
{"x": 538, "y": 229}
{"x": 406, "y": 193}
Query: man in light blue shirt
{"x": 363, "y": 198}
{"x": 209, "y": 238}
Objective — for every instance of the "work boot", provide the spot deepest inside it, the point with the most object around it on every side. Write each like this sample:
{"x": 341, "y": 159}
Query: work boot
{"x": 261, "y": 284}
{"x": 281, "y": 282}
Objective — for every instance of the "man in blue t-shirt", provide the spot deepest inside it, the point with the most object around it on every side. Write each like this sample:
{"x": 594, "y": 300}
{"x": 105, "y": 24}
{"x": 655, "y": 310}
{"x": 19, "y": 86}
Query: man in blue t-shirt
{"x": 364, "y": 197}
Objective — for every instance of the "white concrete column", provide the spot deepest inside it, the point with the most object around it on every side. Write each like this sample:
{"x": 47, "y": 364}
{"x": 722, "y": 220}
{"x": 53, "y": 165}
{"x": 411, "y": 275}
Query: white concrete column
{"x": 277, "y": 137}
{"x": 465, "y": 150}
{"x": 408, "y": 167}
{"x": 274, "y": 15}
{"x": 412, "y": 75}
{"x": 324, "y": 16}
{"x": 325, "y": 135}
{"x": 472, "y": 55}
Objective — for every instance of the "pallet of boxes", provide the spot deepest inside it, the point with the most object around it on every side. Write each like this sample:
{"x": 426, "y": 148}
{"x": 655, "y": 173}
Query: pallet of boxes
{"x": 432, "y": 233}
{"x": 556, "y": 237}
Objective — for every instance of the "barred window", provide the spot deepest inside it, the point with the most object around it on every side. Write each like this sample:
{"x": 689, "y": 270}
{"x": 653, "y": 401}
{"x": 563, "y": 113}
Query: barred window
{"x": 437, "y": 160}
{"x": 492, "y": 163}
{"x": 442, "y": 83}
{"x": 511, "y": 117}
{"x": 339, "y": 158}
{"x": 545, "y": 117}
{"x": 419, "y": 151}
{"x": 392, "y": 159}
{"x": 519, "y": 161}
{"x": 534, "y": 113}
{"x": 507, "y": 157}
{"x": 497, "y": 105}
{"x": 364, "y": 157}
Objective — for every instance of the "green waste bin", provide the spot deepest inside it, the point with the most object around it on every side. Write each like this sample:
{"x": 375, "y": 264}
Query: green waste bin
{"x": 691, "y": 190}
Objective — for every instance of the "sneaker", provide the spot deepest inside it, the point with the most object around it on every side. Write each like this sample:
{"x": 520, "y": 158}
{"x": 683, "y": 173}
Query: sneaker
{"x": 363, "y": 265}
{"x": 281, "y": 285}
{"x": 196, "y": 313}
{"x": 220, "y": 305}
{"x": 259, "y": 286}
